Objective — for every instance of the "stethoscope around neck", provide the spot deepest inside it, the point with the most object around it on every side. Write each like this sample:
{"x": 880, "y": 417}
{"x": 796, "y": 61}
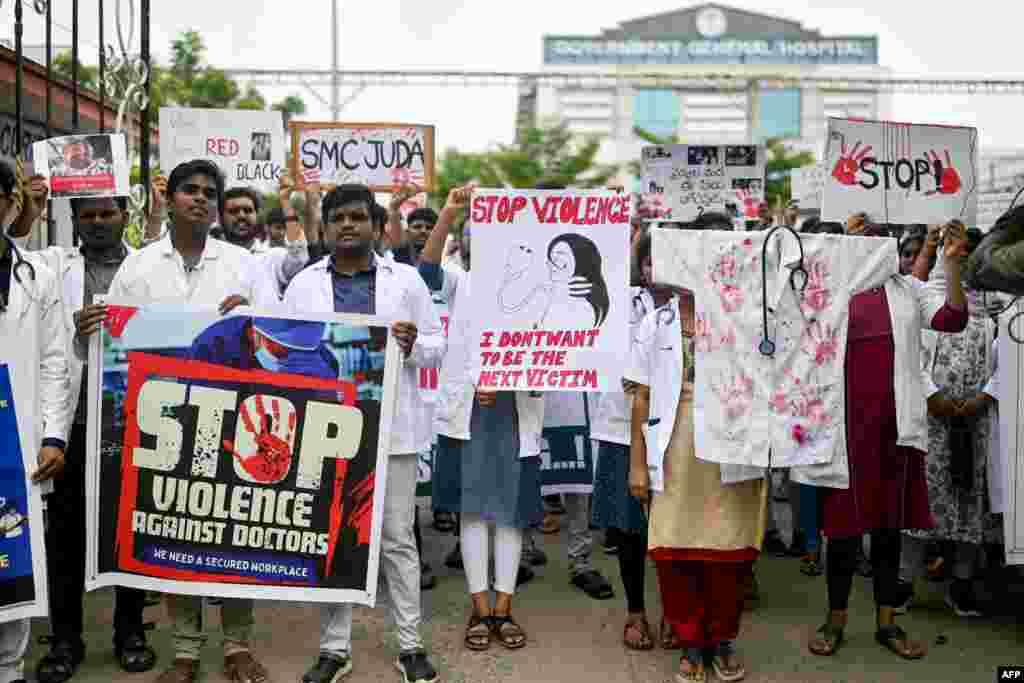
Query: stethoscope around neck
{"x": 767, "y": 346}
{"x": 19, "y": 268}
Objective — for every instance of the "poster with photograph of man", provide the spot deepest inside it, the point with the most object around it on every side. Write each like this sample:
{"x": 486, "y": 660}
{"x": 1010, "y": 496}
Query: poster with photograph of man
{"x": 741, "y": 155}
{"x": 83, "y": 165}
{"x": 261, "y": 146}
{"x": 702, "y": 155}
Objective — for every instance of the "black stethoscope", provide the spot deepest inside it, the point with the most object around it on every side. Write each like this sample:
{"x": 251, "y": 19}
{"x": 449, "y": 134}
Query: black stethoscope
{"x": 20, "y": 266}
{"x": 767, "y": 346}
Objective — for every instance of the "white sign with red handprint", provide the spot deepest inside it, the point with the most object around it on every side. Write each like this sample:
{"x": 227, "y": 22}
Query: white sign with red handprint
{"x": 900, "y": 172}
{"x": 379, "y": 155}
{"x": 680, "y": 182}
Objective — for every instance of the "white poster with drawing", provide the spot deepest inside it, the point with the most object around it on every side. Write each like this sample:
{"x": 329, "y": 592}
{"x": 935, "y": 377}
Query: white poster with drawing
{"x": 807, "y": 185}
{"x": 554, "y": 305}
{"x": 900, "y": 172}
{"x": 247, "y": 146}
{"x": 680, "y": 182}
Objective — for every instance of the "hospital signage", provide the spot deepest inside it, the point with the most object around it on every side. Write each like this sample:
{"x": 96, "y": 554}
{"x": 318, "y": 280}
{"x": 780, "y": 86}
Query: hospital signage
{"x": 579, "y": 50}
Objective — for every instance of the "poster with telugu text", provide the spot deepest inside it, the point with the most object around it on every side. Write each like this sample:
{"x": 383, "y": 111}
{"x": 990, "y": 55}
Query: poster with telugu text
{"x": 680, "y": 182}
{"x": 554, "y": 308}
{"x": 239, "y": 455}
{"x": 248, "y": 147}
{"x": 379, "y": 155}
{"x": 808, "y": 183}
{"x": 900, "y": 172}
{"x": 83, "y": 165}
{"x": 22, "y": 549}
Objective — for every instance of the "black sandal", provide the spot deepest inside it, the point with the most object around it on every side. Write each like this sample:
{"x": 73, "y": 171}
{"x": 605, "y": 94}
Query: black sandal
{"x": 508, "y": 632}
{"x": 134, "y": 655}
{"x": 831, "y": 638}
{"x": 890, "y": 636}
{"x": 61, "y": 662}
{"x": 478, "y": 633}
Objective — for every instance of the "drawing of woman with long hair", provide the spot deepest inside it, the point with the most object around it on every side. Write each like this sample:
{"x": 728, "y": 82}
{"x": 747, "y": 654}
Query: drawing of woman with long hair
{"x": 567, "y": 290}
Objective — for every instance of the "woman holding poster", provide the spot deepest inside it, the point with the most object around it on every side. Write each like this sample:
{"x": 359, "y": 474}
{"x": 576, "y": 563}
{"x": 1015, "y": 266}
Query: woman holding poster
{"x": 704, "y": 536}
{"x": 495, "y": 436}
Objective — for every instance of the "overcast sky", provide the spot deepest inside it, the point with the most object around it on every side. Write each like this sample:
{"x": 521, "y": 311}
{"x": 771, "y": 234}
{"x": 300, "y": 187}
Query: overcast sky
{"x": 915, "y": 39}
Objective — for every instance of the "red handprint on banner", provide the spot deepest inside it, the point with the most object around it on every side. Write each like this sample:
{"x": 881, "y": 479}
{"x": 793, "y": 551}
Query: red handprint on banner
{"x": 946, "y": 176}
{"x": 845, "y": 170}
{"x": 117, "y": 319}
{"x": 751, "y": 204}
{"x": 269, "y": 456}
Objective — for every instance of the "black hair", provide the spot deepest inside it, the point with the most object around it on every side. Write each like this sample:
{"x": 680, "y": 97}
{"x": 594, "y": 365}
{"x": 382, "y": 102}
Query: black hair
{"x": 588, "y": 266}
{"x": 831, "y": 228}
{"x": 77, "y": 202}
{"x": 346, "y": 194}
{"x": 712, "y": 220}
{"x": 7, "y": 178}
{"x": 425, "y": 214}
{"x": 379, "y": 215}
{"x": 186, "y": 170}
{"x": 549, "y": 185}
{"x": 276, "y": 216}
{"x": 239, "y": 192}
{"x": 811, "y": 225}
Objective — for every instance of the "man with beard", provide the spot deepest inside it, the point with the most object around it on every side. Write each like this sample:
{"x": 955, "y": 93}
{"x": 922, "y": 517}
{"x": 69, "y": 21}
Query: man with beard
{"x": 83, "y": 273}
{"x": 353, "y": 279}
{"x": 240, "y": 219}
{"x": 78, "y": 160}
{"x": 187, "y": 266}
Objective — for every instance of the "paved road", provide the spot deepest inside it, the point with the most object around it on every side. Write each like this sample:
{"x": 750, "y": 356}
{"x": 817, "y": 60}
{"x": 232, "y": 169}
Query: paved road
{"x": 573, "y": 638}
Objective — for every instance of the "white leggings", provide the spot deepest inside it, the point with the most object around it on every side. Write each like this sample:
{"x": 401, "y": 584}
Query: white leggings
{"x": 475, "y": 541}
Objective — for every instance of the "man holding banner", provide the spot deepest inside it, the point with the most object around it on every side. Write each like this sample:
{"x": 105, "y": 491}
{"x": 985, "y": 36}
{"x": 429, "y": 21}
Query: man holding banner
{"x": 354, "y": 279}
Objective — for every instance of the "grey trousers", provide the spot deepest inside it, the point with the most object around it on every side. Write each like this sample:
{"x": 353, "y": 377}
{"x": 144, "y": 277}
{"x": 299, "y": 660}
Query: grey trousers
{"x": 13, "y": 644}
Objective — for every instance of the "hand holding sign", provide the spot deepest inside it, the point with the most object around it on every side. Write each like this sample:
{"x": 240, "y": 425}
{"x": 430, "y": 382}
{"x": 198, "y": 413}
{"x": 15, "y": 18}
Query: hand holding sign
{"x": 845, "y": 170}
{"x": 458, "y": 198}
{"x": 401, "y": 194}
{"x": 947, "y": 176}
{"x": 955, "y": 236}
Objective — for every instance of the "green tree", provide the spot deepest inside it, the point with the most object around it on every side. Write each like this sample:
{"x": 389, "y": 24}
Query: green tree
{"x": 291, "y": 106}
{"x": 88, "y": 76}
{"x": 779, "y": 171}
{"x": 455, "y": 169}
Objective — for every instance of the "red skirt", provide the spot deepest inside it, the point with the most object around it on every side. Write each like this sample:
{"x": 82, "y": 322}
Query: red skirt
{"x": 703, "y": 601}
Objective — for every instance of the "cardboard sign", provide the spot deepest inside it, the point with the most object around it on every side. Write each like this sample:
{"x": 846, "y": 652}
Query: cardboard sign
{"x": 807, "y": 185}
{"x": 83, "y": 165}
{"x": 216, "y": 469}
{"x": 680, "y": 182}
{"x": 379, "y": 155}
{"x": 22, "y": 548}
{"x": 247, "y": 146}
{"x": 554, "y": 309}
{"x": 900, "y": 172}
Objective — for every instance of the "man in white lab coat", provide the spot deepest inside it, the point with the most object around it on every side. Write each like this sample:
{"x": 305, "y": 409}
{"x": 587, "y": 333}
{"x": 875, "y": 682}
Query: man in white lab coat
{"x": 32, "y": 345}
{"x": 354, "y": 279}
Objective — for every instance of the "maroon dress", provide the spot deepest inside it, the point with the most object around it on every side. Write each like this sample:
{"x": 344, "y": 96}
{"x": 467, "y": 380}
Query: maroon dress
{"x": 888, "y": 489}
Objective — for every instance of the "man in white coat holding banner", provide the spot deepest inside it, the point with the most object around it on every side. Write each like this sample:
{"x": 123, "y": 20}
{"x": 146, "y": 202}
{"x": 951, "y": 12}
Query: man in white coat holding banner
{"x": 32, "y": 346}
{"x": 354, "y": 279}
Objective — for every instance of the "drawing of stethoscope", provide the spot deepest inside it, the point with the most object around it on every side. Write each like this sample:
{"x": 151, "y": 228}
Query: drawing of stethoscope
{"x": 767, "y": 346}
{"x": 20, "y": 267}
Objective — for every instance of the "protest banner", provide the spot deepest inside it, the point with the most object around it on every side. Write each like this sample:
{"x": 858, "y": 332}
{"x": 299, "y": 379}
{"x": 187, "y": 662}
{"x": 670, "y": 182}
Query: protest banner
{"x": 680, "y": 182}
{"x": 379, "y": 155}
{"x": 992, "y": 205}
{"x": 567, "y": 454}
{"x": 1011, "y": 428}
{"x": 83, "y": 165}
{"x": 554, "y": 310}
{"x": 900, "y": 172}
{"x": 247, "y": 146}
{"x": 429, "y": 380}
{"x": 22, "y": 548}
{"x": 238, "y": 456}
{"x": 807, "y": 185}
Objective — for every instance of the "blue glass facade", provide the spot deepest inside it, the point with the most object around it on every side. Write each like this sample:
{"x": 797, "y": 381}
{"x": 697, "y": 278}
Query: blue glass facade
{"x": 778, "y": 114}
{"x": 657, "y": 112}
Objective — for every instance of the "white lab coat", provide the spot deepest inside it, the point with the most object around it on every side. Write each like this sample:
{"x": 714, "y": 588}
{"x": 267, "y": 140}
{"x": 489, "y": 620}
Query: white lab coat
{"x": 401, "y": 296}
{"x": 998, "y": 464}
{"x": 33, "y": 343}
{"x": 459, "y": 374}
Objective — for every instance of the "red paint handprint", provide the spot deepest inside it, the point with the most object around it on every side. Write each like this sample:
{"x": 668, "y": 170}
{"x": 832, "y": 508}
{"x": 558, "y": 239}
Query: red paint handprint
{"x": 117, "y": 319}
{"x": 946, "y": 176}
{"x": 751, "y": 204}
{"x": 272, "y": 458}
{"x": 845, "y": 170}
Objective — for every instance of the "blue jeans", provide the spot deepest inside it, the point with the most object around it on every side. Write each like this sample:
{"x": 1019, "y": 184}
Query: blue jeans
{"x": 808, "y": 517}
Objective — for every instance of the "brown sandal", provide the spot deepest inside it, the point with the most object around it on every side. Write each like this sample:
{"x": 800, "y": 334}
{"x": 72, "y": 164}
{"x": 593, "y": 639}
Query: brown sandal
{"x": 667, "y": 637}
{"x": 640, "y": 626}
{"x": 478, "y": 634}
{"x": 242, "y": 667}
{"x": 830, "y": 639}
{"x": 508, "y": 632}
{"x": 896, "y": 640}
